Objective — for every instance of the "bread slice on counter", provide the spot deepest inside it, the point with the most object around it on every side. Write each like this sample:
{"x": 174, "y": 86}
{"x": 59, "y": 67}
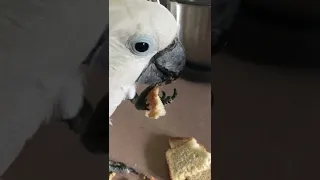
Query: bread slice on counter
{"x": 175, "y": 142}
{"x": 156, "y": 107}
{"x": 187, "y": 159}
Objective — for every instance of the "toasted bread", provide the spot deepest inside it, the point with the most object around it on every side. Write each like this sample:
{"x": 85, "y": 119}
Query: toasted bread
{"x": 187, "y": 159}
{"x": 155, "y": 105}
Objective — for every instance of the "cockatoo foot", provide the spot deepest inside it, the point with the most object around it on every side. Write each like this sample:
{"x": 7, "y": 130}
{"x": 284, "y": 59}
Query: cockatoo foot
{"x": 140, "y": 101}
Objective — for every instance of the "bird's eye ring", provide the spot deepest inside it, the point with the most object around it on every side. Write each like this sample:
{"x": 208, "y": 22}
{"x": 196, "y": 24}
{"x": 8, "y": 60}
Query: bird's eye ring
{"x": 142, "y": 45}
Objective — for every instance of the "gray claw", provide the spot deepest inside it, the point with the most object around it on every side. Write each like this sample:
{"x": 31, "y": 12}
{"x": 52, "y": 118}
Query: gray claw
{"x": 163, "y": 95}
{"x": 168, "y": 100}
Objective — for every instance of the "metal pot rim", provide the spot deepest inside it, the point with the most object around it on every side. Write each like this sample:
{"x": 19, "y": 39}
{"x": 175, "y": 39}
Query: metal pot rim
{"x": 194, "y": 2}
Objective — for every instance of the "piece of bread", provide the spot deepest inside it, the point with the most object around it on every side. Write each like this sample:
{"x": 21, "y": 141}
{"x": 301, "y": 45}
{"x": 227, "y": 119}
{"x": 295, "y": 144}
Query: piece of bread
{"x": 112, "y": 175}
{"x": 187, "y": 159}
{"x": 175, "y": 142}
{"x": 156, "y": 108}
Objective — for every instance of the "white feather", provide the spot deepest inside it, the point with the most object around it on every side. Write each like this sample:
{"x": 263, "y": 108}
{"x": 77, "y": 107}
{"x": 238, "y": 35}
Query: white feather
{"x": 131, "y": 92}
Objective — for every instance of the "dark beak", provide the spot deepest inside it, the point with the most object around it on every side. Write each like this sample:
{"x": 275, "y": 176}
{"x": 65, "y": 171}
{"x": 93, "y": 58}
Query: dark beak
{"x": 165, "y": 66}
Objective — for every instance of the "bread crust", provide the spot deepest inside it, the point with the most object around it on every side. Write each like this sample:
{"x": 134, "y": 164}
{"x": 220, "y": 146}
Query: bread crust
{"x": 169, "y": 169}
{"x": 185, "y": 139}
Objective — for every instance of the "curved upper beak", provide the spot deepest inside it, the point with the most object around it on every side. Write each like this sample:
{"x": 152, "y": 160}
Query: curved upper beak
{"x": 165, "y": 66}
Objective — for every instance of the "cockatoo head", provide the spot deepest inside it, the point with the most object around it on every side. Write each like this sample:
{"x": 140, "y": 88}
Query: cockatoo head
{"x": 143, "y": 43}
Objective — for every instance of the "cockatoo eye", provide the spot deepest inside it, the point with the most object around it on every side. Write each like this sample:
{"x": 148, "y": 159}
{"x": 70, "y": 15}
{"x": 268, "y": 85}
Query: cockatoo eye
{"x": 142, "y": 45}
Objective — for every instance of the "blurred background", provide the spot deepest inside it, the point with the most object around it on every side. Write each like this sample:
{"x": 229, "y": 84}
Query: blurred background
{"x": 266, "y": 83}
{"x": 268, "y": 32}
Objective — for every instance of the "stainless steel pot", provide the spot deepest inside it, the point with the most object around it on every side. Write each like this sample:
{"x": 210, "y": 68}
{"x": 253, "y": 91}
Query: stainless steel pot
{"x": 194, "y": 19}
